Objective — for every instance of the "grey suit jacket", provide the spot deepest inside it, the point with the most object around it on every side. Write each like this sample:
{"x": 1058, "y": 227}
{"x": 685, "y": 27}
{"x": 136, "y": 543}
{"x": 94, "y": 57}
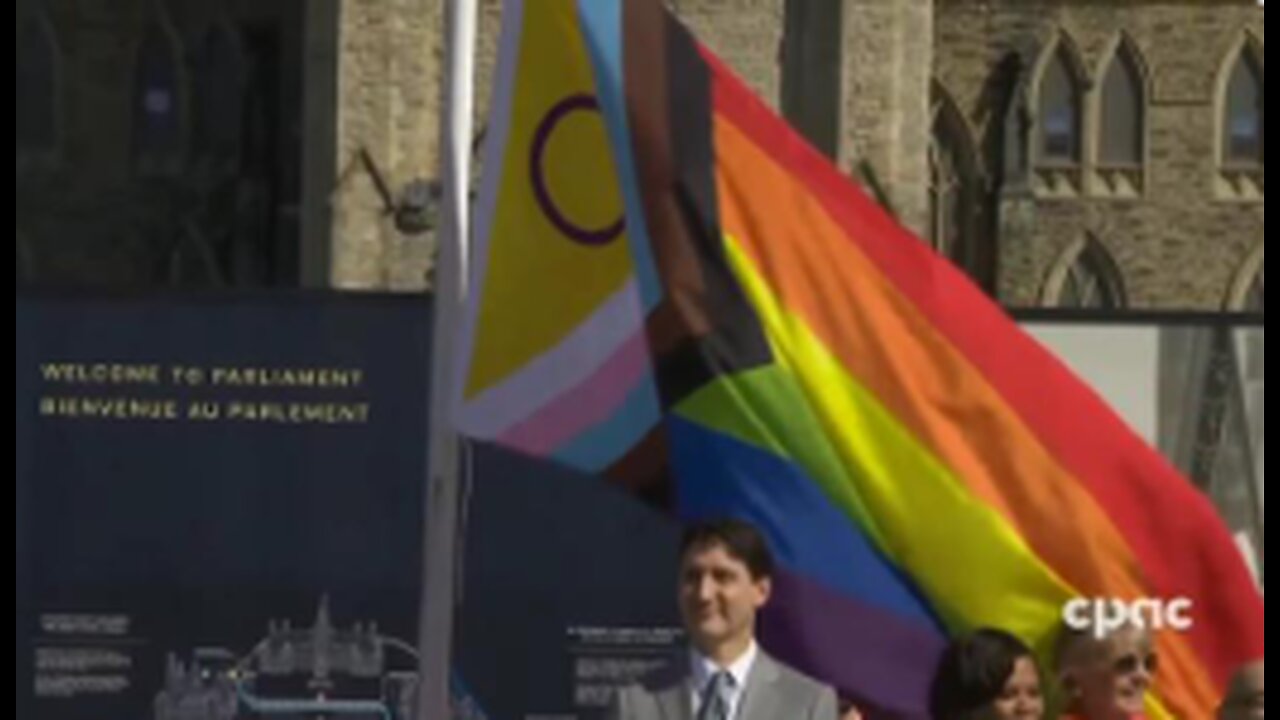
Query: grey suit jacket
{"x": 773, "y": 692}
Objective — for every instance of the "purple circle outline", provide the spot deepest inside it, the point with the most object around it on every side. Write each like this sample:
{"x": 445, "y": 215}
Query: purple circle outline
{"x": 585, "y": 236}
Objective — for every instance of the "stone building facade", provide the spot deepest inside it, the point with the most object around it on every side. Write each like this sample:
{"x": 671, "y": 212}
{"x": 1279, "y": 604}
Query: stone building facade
{"x": 1150, "y": 205}
{"x": 1095, "y": 154}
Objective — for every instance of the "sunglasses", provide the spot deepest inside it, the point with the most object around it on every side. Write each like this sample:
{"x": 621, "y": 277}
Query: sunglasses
{"x": 1133, "y": 662}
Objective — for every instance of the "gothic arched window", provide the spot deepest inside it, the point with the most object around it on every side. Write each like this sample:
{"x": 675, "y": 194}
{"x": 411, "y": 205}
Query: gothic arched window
{"x": 1257, "y": 298}
{"x": 952, "y": 195}
{"x": 1086, "y": 279}
{"x": 157, "y": 100}
{"x": 944, "y": 197}
{"x": 218, "y": 94}
{"x": 1060, "y": 112}
{"x": 1123, "y": 141}
{"x": 1244, "y": 125}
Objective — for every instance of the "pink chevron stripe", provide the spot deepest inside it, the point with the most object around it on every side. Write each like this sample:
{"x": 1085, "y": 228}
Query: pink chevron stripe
{"x": 590, "y": 402}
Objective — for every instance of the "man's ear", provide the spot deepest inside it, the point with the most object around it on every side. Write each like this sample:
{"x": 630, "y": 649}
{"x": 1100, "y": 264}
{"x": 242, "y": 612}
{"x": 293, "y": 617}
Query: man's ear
{"x": 764, "y": 586}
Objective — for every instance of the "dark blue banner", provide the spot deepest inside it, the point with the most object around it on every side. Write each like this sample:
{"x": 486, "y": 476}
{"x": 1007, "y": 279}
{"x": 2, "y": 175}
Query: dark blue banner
{"x": 570, "y": 590}
{"x": 219, "y": 516}
{"x": 219, "y": 507}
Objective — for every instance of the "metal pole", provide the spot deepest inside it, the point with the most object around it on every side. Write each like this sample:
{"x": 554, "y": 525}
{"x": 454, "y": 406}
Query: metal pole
{"x": 443, "y": 482}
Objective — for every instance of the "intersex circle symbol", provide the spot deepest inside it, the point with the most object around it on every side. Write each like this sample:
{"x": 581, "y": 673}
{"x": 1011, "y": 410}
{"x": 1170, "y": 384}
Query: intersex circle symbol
{"x": 577, "y": 233}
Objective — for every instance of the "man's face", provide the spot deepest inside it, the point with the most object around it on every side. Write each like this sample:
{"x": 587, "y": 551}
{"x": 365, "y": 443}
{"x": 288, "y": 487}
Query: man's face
{"x": 1113, "y": 682}
{"x": 1245, "y": 698}
{"x": 718, "y": 597}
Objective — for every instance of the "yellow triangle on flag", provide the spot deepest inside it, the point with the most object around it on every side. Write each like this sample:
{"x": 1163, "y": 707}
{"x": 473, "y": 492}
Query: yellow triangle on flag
{"x": 557, "y": 238}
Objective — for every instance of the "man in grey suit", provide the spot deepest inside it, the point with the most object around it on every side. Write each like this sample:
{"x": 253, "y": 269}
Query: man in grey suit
{"x": 726, "y": 577}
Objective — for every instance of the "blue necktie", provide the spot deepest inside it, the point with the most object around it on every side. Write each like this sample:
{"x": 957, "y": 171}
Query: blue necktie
{"x": 715, "y": 699}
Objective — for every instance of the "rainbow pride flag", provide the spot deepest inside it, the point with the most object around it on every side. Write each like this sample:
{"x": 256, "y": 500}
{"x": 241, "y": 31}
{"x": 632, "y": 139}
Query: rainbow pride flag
{"x": 674, "y": 292}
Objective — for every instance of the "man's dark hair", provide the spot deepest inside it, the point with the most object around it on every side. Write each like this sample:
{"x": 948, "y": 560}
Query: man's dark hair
{"x": 972, "y": 673}
{"x": 740, "y": 539}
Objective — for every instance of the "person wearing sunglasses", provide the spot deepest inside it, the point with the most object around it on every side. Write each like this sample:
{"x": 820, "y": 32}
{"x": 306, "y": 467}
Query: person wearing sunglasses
{"x": 1106, "y": 678}
{"x": 988, "y": 675}
{"x": 1245, "y": 696}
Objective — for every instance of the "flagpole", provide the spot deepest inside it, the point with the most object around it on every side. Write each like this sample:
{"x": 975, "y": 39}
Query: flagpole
{"x": 440, "y": 540}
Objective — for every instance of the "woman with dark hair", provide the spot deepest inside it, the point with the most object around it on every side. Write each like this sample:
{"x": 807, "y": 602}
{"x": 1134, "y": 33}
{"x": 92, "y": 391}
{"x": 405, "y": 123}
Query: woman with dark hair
{"x": 989, "y": 675}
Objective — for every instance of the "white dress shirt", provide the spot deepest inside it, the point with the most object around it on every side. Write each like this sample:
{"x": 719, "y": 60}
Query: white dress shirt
{"x": 703, "y": 669}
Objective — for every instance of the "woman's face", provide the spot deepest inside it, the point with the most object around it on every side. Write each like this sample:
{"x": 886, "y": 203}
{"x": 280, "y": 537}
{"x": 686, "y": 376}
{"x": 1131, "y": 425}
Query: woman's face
{"x": 1021, "y": 698}
{"x": 1114, "y": 685}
